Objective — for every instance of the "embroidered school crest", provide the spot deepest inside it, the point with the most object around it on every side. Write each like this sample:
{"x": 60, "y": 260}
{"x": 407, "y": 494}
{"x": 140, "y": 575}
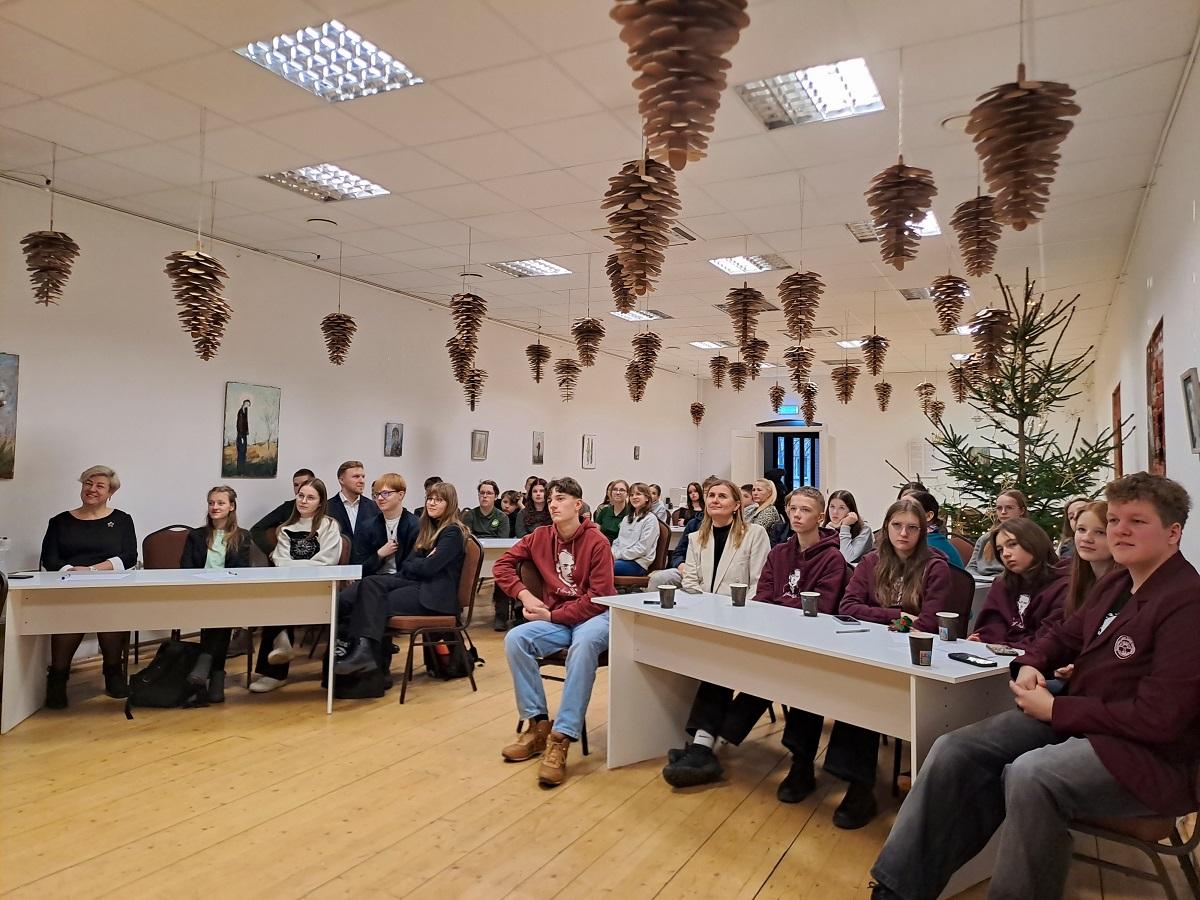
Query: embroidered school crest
{"x": 1124, "y": 647}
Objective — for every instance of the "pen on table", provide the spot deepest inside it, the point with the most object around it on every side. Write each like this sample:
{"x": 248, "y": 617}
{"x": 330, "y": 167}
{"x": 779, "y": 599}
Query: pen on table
{"x": 854, "y": 631}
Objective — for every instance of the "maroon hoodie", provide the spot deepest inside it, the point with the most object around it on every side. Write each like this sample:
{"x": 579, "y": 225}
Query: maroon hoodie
{"x": 790, "y": 570}
{"x": 1012, "y": 614}
{"x": 1135, "y": 692}
{"x": 860, "y": 598}
{"x": 573, "y": 571}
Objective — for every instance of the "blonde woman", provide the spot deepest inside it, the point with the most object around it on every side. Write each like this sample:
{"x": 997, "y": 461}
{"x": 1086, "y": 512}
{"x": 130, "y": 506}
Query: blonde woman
{"x": 725, "y": 549}
{"x": 763, "y": 511}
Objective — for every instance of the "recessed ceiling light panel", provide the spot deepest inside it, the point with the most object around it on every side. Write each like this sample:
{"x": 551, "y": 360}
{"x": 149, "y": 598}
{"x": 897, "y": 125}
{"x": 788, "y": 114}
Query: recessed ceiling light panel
{"x": 817, "y": 94}
{"x": 748, "y": 265}
{"x": 529, "y": 268}
{"x": 326, "y": 182}
{"x": 960, "y": 357}
{"x": 639, "y": 315}
{"x": 330, "y": 61}
{"x": 850, "y": 345}
{"x": 710, "y": 345}
{"x": 864, "y": 232}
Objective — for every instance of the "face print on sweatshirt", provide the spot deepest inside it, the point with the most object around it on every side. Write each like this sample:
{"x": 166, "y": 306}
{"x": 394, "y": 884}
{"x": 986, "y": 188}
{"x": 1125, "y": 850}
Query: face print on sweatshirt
{"x": 793, "y": 583}
{"x": 564, "y": 564}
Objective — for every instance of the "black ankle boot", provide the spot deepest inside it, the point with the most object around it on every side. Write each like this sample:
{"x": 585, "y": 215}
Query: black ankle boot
{"x": 857, "y": 808}
{"x": 216, "y": 686}
{"x": 360, "y": 658}
{"x": 500, "y": 623}
{"x": 199, "y": 674}
{"x": 56, "y": 687}
{"x": 114, "y": 682}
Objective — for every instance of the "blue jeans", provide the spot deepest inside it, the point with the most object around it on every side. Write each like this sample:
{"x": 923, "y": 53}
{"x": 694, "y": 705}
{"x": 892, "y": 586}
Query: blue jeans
{"x": 627, "y": 567}
{"x": 525, "y": 644}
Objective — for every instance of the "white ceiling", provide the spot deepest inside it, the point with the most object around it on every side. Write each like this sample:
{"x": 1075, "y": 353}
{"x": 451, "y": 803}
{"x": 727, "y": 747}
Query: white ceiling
{"x": 527, "y": 111}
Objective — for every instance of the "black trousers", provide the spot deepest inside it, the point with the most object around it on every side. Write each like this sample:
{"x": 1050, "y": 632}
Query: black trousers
{"x": 269, "y": 633}
{"x": 215, "y": 641}
{"x": 365, "y": 607}
{"x": 852, "y": 752}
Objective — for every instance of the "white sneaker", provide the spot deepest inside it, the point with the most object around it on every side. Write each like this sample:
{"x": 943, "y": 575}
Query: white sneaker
{"x": 266, "y": 683}
{"x": 281, "y": 650}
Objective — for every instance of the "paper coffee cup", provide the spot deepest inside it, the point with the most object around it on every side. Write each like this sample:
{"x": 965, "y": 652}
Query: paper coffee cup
{"x": 738, "y": 593}
{"x": 920, "y": 648}
{"x": 666, "y": 596}
{"x": 948, "y": 626}
{"x": 809, "y": 601}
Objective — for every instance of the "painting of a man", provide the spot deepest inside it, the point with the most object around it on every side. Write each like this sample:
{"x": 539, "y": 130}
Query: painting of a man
{"x": 250, "y": 442}
{"x": 243, "y": 435}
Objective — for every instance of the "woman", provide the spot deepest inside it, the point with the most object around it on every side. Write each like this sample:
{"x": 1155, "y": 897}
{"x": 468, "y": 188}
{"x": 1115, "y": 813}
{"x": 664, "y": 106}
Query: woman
{"x": 536, "y": 512}
{"x": 1029, "y": 595}
{"x": 90, "y": 538}
{"x": 935, "y": 533}
{"x": 616, "y": 503}
{"x": 694, "y": 506}
{"x": 841, "y": 514}
{"x": 725, "y": 550}
{"x": 1009, "y": 505}
{"x": 1066, "y": 539}
{"x": 426, "y": 584}
{"x": 309, "y": 537}
{"x": 219, "y": 544}
{"x": 763, "y": 512}
{"x": 637, "y": 540}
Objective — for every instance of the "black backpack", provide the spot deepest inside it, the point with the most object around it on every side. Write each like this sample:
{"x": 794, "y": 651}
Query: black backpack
{"x": 164, "y": 683}
{"x": 445, "y": 660}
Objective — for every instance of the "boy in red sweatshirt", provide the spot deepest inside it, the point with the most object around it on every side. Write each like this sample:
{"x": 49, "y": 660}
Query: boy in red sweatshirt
{"x": 575, "y": 563}
{"x": 1123, "y": 741}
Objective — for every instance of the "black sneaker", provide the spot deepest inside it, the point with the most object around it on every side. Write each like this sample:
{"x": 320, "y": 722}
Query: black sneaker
{"x": 361, "y": 658}
{"x": 675, "y": 754}
{"x": 799, "y": 783}
{"x": 857, "y": 808}
{"x": 698, "y": 765}
{"x": 114, "y": 683}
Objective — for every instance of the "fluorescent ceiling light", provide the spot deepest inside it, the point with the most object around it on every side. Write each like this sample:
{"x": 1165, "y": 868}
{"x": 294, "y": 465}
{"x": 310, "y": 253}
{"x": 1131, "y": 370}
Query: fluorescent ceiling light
{"x": 709, "y": 345}
{"x": 817, "y": 94}
{"x": 330, "y": 61}
{"x": 768, "y": 365}
{"x": 920, "y": 293}
{"x": 326, "y": 182}
{"x": 960, "y": 357}
{"x": 864, "y": 232}
{"x": 928, "y": 226}
{"x": 529, "y": 268}
{"x": 850, "y": 345}
{"x": 964, "y": 329}
{"x": 748, "y": 265}
{"x": 639, "y": 315}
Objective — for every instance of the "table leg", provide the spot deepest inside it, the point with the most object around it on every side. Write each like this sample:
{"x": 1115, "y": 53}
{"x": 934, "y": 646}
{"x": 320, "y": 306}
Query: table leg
{"x": 329, "y": 647}
{"x": 25, "y": 659}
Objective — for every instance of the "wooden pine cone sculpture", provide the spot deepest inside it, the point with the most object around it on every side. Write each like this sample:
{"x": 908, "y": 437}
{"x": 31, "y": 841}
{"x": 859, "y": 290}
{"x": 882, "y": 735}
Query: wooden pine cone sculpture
{"x": 925, "y": 391}
{"x": 636, "y": 379}
{"x": 899, "y": 198}
{"x": 623, "y": 298}
{"x": 808, "y": 402}
{"x": 588, "y": 334}
{"x": 677, "y": 49}
{"x": 198, "y": 281}
{"x": 883, "y": 394}
{"x": 467, "y": 311}
{"x": 974, "y": 223}
{"x": 1017, "y": 128}
{"x": 49, "y": 256}
{"x": 744, "y": 306}
{"x": 718, "y": 365}
{"x": 949, "y": 296}
{"x": 738, "y": 373}
{"x": 338, "y": 329}
{"x": 776, "y": 395}
{"x": 473, "y": 386}
{"x": 538, "y": 355}
{"x": 937, "y": 409}
{"x": 697, "y": 411}
{"x": 567, "y": 372}
{"x": 800, "y": 298}
{"x": 754, "y": 354}
{"x": 642, "y": 205}
{"x": 990, "y": 329}
{"x": 799, "y": 361}
{"x": 645, "y": 351}
{"x": 874, "y": 349}
{"x": 844, "y": 377}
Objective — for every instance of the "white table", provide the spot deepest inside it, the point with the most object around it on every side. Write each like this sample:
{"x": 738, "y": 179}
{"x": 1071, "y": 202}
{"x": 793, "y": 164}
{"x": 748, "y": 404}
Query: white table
{"x": 676, "y": 534}
{"x": 152, "y": 599}
{"x": 493, "y": 549}
{"x": 656, "y": 657}
{"x": 983, "y": 584}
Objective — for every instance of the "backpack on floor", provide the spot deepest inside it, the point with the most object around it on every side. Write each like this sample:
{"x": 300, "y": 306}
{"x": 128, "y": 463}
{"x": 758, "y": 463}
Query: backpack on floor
{"x": 163, "y": 683}
{"x": 444, "y": 660}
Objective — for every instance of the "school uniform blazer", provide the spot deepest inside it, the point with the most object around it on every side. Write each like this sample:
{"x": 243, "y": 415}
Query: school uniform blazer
{"x": 437, "y": 572}
{"x": 739, "y": 565}
{"x": 195, "y": 551}
{"x": 1135, "y": 692}
{"x": 861, "y": 601}
{"x": 372, "y": 534}
{"x": 1005, "y": 619}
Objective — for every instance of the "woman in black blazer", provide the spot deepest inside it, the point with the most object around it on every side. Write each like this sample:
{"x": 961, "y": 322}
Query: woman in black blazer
{"x": 425, "y": 584}
{"x": 219, "y": 544}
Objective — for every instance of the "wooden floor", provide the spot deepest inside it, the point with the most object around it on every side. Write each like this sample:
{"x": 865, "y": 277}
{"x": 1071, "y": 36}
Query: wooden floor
{"x": 266, "y": 796}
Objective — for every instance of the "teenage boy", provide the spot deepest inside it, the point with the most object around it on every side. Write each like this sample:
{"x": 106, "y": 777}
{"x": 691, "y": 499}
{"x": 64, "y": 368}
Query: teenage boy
{"x": 281, "y": 513}
{"x": 1121, "y": 742}
{"x": 348, "y": 506}
{"x": 487, "y": 520}
{"x": 574, "y": 561}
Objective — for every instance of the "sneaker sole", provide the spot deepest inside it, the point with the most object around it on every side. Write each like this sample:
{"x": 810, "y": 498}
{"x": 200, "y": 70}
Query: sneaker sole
{"x": 692, "y": 777}
{"x": 279, "y": 658}
{"x": 518, "y": 759}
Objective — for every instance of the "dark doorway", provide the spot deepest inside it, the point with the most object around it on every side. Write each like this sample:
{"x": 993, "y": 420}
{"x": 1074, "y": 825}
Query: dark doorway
{"x": 1157, "y": 430}
{"x": 797, "y": 453}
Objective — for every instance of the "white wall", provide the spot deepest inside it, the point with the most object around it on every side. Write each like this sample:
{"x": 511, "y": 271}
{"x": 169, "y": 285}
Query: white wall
{"x": 1161, "y": 283}
{"x": 108, "y": 377}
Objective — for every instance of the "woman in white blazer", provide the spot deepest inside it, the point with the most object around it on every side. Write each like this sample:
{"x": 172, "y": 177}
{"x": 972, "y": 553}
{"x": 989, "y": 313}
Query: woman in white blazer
{"x": 725, "y": 549}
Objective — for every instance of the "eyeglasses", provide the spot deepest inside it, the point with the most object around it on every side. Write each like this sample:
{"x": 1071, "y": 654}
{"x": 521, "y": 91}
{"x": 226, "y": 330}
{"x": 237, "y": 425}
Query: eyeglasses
{"x": 618, "y": 491}
{"x": 383, "y": 495}
{"x": 905, "y": 529}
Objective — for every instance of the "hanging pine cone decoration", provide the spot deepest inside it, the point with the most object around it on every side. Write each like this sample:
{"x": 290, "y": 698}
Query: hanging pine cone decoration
{"x": 567, "y": 372}
{"x": 461, "y": 356}
{"x": 754, "y": 354}
{"x": 49, "y": 256}
{"x": 799, "y": 361}
{"x": 718, "y": 365}
{"x": 937, "y": 409}
{"x": 588, "y": 334}
{"x": 950, "y": 294}
{"x": 808, "y": 402}
{"x": 800, "y": 297}
{"x": 338, "y": 329}
{"x": 844, "y": 378}
{"x": 925, "y": 393}
{"x": 974, "y": 222}
{"x": 635, "y": 380}
{"x": 697, "y": 411}
{"x": 874, "y": 349}
{"x": 777, "y": 395}
{"x": 744, "y": 306}
{"x": 467, "y": 310}
{"x": 960, "y": 383}
{"x": 472, "y": 385}
{"x": 198, "y": 280}
{"x": 738, "y": 373}
{"x": 899, "y": 198}
{"x": 643, "y": 204}
{"x": 883, "y": 394}
{"x": 623, "y": 298}
{"x": 645, "y": 351}
{"x": 990, "y": 329}
{"x": 1017, "y": 128}
{"x": 538, "y": 355}
{"x": 677, "y": 48}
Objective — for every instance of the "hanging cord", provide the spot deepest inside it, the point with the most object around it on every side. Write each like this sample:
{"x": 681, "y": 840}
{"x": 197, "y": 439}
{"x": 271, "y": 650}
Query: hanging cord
{"x": 900, "y": 108}
{"x": 340, "y": 246}
{"x": 1021, "y": 34}
{"x": 200, "y": 177}
{"x": 50, "y": 183}
{"x": 801, "y": 177}
{"x": 589, "y": 287}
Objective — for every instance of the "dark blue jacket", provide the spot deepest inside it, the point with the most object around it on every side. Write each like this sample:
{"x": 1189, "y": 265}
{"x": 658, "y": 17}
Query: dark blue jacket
{"x": 367, "y": 510}
{"x": 436, "y": 574}
{"x": 678, "y": 556}
{"x": 372, "y": 534}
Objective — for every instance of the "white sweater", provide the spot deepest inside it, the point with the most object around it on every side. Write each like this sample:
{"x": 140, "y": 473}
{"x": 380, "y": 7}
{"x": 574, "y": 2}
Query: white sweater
{"x": 637, "y": 540}
{"x": 329, "y": 536}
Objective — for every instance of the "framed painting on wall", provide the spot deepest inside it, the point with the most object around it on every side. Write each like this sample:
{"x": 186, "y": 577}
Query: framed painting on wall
{"x": 539, "y": 448}
{"x": 479, "y": 445}
{"x": 589, "y": 452}
{"x": 251, "y": 431}
{"x": 393, "y": 439}
{"x": 9, "y": 370}
{"x": 1191, "y": 406}
{"x": 1156, "y": 424}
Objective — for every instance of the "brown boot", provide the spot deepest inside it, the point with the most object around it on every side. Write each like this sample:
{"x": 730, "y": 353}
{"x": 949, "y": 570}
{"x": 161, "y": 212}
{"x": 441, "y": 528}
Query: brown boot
{"x": 531, "y": 742}
{"x": 553, "y": 769}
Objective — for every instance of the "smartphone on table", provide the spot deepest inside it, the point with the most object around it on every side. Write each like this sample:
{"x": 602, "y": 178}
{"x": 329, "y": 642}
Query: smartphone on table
{"x": 849, "y": 620}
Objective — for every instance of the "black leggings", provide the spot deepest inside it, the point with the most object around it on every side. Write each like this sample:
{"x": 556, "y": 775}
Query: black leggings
{"x": 112, "y": 648}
